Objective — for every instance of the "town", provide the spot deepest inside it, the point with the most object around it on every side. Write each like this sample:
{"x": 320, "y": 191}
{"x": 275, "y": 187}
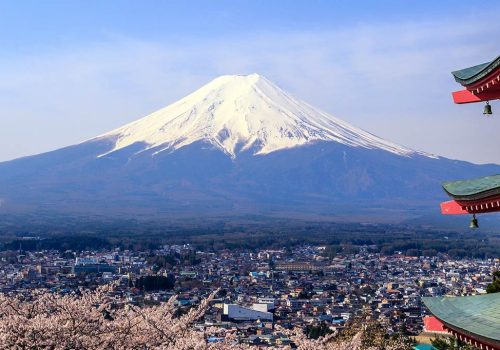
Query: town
{"x": 303, "y": 287}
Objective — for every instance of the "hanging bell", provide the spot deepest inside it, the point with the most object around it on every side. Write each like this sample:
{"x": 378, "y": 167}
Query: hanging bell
{"x": 473, "y": 223}
{"x": 487, "y": 109}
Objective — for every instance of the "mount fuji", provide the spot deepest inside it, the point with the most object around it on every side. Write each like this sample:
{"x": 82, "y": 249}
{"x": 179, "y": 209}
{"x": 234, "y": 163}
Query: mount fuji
{"x": 241, "y": 112}
{"x": 238, "y": 145}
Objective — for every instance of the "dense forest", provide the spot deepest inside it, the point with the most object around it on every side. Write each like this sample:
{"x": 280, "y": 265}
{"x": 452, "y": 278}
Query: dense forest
{"x": 249, "y": 234}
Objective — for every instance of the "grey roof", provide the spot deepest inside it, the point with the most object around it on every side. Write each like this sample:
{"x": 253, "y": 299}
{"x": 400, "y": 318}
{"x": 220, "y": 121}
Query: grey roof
{"x": 473, "y": 189}
{"x": 473, "y": 74}
{"x": 478, "y": 314}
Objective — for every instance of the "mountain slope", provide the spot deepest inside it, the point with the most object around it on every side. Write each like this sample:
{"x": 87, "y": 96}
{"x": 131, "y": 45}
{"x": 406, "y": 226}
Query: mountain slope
{"x": 239, "y": 112}
{"x": 239, "y": 145}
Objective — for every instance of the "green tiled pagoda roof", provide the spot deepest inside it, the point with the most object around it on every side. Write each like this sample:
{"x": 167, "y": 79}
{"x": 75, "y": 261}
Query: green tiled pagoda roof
{"x": 468, "y": 76}
{"x": 473, "y": 189}
{"x": 478, "y": 314}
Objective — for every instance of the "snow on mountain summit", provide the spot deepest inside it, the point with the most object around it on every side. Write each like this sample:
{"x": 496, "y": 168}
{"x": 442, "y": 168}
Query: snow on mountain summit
{"x": 241, "y": 112}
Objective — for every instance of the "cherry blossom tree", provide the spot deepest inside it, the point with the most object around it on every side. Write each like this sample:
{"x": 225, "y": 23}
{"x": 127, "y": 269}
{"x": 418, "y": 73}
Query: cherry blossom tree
{"x": 95, "y": 320}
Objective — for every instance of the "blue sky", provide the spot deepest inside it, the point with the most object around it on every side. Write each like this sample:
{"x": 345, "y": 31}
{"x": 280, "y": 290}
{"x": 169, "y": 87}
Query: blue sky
{"x": 74, "y": 69}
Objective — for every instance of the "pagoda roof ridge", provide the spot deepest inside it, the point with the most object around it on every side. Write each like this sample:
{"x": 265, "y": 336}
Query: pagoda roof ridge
{"x": 473, "y": 189}
{"x": 470, "y": 75}
{"x": 477, "y": 314}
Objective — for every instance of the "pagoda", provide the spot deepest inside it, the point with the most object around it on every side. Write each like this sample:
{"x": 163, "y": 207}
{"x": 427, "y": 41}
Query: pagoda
{"x": 481, "y": 83}
{"x": 473, "y": 319}
{"x": 473, "y": 196}
{"x": 482, "y": 195}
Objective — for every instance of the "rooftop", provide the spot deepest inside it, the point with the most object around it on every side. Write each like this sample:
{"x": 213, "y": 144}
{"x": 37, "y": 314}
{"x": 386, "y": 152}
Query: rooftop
{"x": 478, "y": 314}
{"x": 470, "y": 75}
{"x": 473, "y": 189}
{"x": 424, "y": 347}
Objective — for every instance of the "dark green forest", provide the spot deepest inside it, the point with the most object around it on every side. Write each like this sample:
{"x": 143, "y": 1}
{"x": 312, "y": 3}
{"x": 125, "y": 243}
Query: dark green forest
{"x": 248, "y": 234}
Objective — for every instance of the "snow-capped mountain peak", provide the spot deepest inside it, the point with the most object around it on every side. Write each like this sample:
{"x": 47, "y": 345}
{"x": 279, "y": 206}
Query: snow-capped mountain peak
{"x": 241, "y": 112}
